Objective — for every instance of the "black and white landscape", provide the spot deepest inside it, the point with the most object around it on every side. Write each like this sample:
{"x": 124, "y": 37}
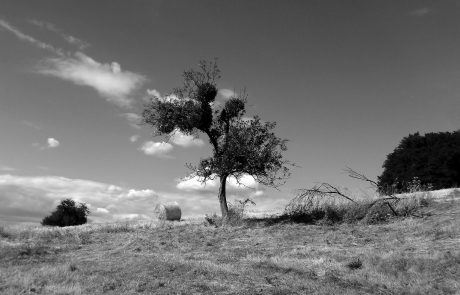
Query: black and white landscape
{"x": 229, "y": 147}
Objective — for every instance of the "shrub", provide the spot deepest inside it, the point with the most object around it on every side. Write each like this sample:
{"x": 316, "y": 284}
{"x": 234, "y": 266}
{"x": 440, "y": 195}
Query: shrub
{"x": 333, "y": 214}
{"x": 378, "y": 213}
{"x": 67, "y": 213}
{"x": 355, "y": 212}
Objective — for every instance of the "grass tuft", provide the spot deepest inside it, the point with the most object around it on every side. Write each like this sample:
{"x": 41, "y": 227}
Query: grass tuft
{"x": 356, "y": 263}
{"x": 4, "y": 233}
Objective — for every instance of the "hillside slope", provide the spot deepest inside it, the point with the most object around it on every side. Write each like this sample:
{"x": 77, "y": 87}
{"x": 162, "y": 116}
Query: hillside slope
{"x": 406, "y": 256}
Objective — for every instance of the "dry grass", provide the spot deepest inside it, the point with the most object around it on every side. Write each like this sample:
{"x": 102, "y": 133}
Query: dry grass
{"x": 405, "y": 256}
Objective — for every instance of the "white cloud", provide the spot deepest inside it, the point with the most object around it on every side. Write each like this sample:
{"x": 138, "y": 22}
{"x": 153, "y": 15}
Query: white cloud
{"x": 159, "y": 149}
{"x": 52, "y": 143}
{"x": 69, "y": 38}
{"x": 227, "y": 93}
{"x": 140, "y": 193}
{"x": 102, "y": 210}
{"x": 134, "y": 119}
{"x": 114, "y": 188}
{"x": 184, "y": 140}
{"x": 134, "y": 138}
{"x": 27, "y": 38}
{"x": 153, "y": 93}
{"x": 27, "y": 198}
{"x": 420, "y": 11}
{"x": 195, "y": 183}
{"x": 108, "y": 79}
{"x": 75, "y": 41}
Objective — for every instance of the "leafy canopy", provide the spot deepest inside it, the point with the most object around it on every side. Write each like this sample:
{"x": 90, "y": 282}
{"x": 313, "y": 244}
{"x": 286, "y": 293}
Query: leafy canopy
{"x": 67, "y": 213}
{"x": 240, "y": 146}
{"x": 433, "y": 159}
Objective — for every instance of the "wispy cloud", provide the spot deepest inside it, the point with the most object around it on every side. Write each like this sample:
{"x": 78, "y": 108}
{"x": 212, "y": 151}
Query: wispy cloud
{"x": 69, "y": 38}
{"x": 108, "y": 79}
{"x": 6, "y": 168}
{"x": 45, "y": 25}
{"x": 75, "y": 41}
{"x": 31, "y": 125}
{"x": 184, "y": 140}
{"x": 134, "y": 138}
{"x": 420, "y": 11}
{"x": 53, "y": 143}
{"x": 159, "y": 149}
{"x": 133, "y": 119}
{"x": 29, "y": 39}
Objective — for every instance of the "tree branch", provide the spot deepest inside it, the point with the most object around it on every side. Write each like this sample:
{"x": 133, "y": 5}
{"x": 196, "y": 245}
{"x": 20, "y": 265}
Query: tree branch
{"x": 354, "y": 174}
{"x": 326, "y": 189}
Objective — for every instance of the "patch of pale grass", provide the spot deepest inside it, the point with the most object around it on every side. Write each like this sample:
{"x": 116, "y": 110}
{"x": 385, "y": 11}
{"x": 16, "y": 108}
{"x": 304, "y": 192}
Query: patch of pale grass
{"x": 48, "y": 279}
{"x": 406, "y": 256}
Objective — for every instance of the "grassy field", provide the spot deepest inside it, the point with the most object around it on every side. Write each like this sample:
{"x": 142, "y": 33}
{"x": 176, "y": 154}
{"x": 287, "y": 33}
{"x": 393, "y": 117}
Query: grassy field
{"x": 405, "y": 256}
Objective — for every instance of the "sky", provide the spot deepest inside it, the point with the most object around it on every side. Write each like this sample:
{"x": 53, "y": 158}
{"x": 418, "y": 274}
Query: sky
{"x": 344, "y": 80}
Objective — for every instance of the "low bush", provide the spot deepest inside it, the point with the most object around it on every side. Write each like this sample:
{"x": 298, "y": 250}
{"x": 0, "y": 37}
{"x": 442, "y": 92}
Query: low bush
{"x": 355, "y": 212}
{"x": 67, "y": 213}
{"x": 378, "y": 213}
{"x": 315, "y": 209}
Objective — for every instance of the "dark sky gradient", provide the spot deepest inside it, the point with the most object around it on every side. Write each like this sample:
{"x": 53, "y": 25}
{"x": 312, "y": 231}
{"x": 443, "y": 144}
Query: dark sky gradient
{"x": 345, "y": 80}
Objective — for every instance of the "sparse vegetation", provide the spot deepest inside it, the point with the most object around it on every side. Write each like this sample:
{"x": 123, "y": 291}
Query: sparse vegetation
{"x": 314, "y": 209}
{"x": 235, "y": 216}
{"x": 406, "y": 256}
{"x": 327, "y": 204}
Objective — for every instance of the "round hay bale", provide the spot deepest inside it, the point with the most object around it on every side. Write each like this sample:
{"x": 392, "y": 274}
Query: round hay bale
{"x": 168, "y": 211}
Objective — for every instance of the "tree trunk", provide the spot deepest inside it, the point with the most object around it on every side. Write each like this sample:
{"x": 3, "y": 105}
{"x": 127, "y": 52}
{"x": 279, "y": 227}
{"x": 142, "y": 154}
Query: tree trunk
{"x": 223, "y": 197}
